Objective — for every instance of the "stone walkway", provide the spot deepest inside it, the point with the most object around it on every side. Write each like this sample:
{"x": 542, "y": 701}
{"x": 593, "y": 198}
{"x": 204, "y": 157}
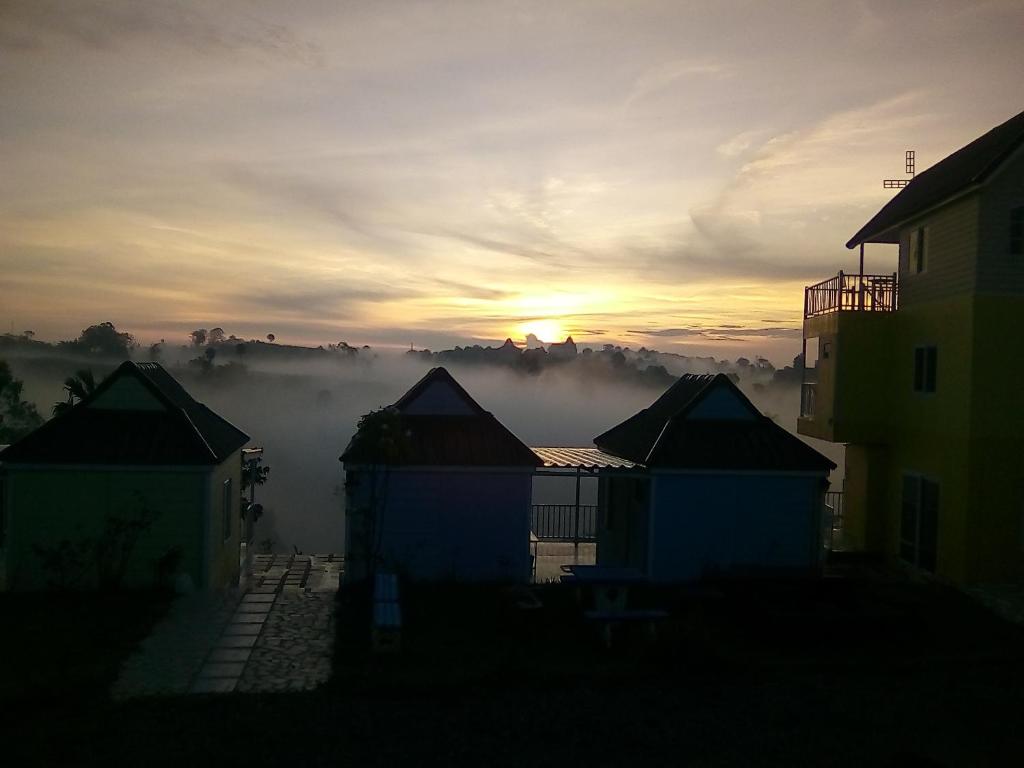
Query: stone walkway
{"x": 169, "y": 659}
{"x": 276, "y": 636}
{"x": 1006, "y": 600}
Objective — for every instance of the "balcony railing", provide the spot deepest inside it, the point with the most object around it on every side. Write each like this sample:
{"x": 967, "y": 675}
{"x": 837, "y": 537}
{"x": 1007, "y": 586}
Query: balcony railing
{"x": 808, "y": 394}
{"x": 842, "y": 293}
{"x": 564, "y": 522}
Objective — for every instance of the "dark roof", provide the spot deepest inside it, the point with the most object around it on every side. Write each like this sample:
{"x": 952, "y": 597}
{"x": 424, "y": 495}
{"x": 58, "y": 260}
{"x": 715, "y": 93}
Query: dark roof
{"x": 476, "y": 439}
{"x": 184, "y": 432}
{"x": 448, "y": 441}
{"x": 663, "y": 435}
{"x": 966, "y": 168}
{"x": 634, "y": 438}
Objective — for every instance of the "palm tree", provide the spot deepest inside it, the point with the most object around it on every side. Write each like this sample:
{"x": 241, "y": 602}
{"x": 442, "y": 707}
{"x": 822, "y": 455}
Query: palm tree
{"x": 78, "y": 387}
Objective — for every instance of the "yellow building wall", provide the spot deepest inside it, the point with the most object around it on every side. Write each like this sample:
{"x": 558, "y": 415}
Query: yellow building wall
{"x": 931, "y": 432}
{"x": 853, "y": 382}
{"x": 865, "y": 502}
{"x": 996, "y": 530}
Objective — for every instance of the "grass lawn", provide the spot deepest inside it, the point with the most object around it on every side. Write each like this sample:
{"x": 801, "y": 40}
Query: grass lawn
{"x": 57, "y": 647}
{"x": 850, "y": 672}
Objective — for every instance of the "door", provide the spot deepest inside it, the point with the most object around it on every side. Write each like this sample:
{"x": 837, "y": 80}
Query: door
{"x": 919, "y": 522}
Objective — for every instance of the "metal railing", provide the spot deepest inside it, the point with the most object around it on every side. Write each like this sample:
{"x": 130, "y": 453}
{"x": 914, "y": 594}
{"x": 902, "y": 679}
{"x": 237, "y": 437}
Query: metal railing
{"x": 843, "y": 293}
{"x": 834, "y": 523}
{"x": 564, "y": 522}
{"x": 808, "y": 399}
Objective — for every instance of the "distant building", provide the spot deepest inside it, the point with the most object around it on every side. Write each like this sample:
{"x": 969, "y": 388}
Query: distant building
{"x": 564, "y": 350}
{"x": 138, "y": 452}
{"x": 715, "y": 488}
{"x": 919, "y": 371}
{"x": 438, "y": 489}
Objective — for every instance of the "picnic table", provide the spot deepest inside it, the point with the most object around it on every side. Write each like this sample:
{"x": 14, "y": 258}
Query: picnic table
{"x": 609, "y": 586}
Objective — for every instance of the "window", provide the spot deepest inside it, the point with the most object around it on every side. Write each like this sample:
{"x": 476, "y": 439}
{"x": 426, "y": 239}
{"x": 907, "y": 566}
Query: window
{"x": 826, "y": 350}
{"x": 919, "y": 522}
{"x": 918, "y": 250}
{"x": 926, "y": 361}
{"x": 1017, "y": 231}
{"x": 226, "y": 508}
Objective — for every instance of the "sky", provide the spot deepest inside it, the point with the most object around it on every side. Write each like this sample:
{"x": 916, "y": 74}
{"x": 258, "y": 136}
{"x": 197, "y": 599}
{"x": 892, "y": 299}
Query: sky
{"x": 667, "y": 174}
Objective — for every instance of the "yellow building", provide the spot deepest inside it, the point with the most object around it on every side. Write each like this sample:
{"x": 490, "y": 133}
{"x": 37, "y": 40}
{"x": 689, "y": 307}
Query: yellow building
{"x": 920, "y": 372}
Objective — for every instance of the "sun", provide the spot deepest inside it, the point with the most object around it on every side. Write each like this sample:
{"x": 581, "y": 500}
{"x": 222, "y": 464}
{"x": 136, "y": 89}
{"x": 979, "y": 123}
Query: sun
{"x": 546, "y": 330}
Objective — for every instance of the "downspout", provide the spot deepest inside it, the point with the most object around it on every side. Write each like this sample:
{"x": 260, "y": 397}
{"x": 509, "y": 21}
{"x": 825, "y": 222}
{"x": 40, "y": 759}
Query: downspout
{"x": 860, "y": 280}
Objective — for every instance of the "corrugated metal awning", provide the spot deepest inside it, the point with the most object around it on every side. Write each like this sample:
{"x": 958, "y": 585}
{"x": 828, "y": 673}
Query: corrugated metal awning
{"x": 581, "y": 458}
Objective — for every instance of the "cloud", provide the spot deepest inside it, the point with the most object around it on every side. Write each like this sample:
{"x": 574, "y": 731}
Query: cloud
{"x": 721, "y": 332}
{"x": 109, "y": 25}
{"x": 738, "y": 144}
{"x": 335, "y": 300}
{"x": 661, "y": 76}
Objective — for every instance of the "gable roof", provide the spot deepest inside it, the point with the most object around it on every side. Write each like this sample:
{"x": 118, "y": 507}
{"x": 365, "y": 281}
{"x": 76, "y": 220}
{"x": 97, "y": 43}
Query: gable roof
{"x": 438, "y": 375}
{"x": 181, "y": 432}
{"x": 965, "y": 169}
{"x": 472, "y": 439}
{"x": 667, "y": 434}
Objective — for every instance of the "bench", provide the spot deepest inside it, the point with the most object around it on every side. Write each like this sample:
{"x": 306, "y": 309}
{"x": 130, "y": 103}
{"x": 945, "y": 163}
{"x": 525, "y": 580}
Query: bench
{"x": 609, "y": 618}
{"x": 386, "y": 632}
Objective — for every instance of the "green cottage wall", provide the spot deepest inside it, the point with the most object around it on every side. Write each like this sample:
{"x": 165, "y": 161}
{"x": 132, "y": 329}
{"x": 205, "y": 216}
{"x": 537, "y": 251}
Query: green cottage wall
{"x": 46, "y": 506}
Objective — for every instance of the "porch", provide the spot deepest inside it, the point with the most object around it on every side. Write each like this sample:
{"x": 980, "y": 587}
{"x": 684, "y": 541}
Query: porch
{"x": 567, "y": 532}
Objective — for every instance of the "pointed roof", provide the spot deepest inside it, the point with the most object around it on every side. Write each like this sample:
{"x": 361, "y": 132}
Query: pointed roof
{"x": 444, "y": 426}
{"x": 964, "y": 170}
{"x": 677, "y": 431}
{"x": 438, "y": 376}
{"x": 171, "y": 428}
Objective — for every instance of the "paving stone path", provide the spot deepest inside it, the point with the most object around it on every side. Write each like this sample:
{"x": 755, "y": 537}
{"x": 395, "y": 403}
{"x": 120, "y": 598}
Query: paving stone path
{"x": 170, "y": 658}
{"x": 1006, "y": 600}
{"x": 278, "y": 635}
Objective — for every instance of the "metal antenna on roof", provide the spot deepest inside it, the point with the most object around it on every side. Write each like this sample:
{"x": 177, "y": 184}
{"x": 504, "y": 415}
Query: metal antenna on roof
{"x": 901, "y": 183}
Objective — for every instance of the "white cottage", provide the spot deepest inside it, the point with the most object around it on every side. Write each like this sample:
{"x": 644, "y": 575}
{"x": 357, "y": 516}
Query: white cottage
{"x": 438, "y": 489}
{"x": 716, "y": 488}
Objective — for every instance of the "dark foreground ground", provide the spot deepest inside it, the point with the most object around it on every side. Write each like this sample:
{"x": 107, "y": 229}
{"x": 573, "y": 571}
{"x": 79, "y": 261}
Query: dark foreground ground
{"x": 860, "y": 671}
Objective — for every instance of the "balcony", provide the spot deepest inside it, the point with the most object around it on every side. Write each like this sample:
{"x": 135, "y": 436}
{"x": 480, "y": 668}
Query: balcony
{"x": 849, "y": 324}
{"x": 852, "y": 293}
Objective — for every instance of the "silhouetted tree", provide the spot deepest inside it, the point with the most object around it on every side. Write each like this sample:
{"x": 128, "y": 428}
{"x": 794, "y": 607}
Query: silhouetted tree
{"x": 17, "y": 417}
{"x": 210, "y": 354}
{"x": 215, "y": 336}
{"x": 77, "y": 387}
{"x": 381, "y": 443}
{"x": 103, "y": 339}
{"x": 271, "y": 337}
{"x": 198, "y": 337}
